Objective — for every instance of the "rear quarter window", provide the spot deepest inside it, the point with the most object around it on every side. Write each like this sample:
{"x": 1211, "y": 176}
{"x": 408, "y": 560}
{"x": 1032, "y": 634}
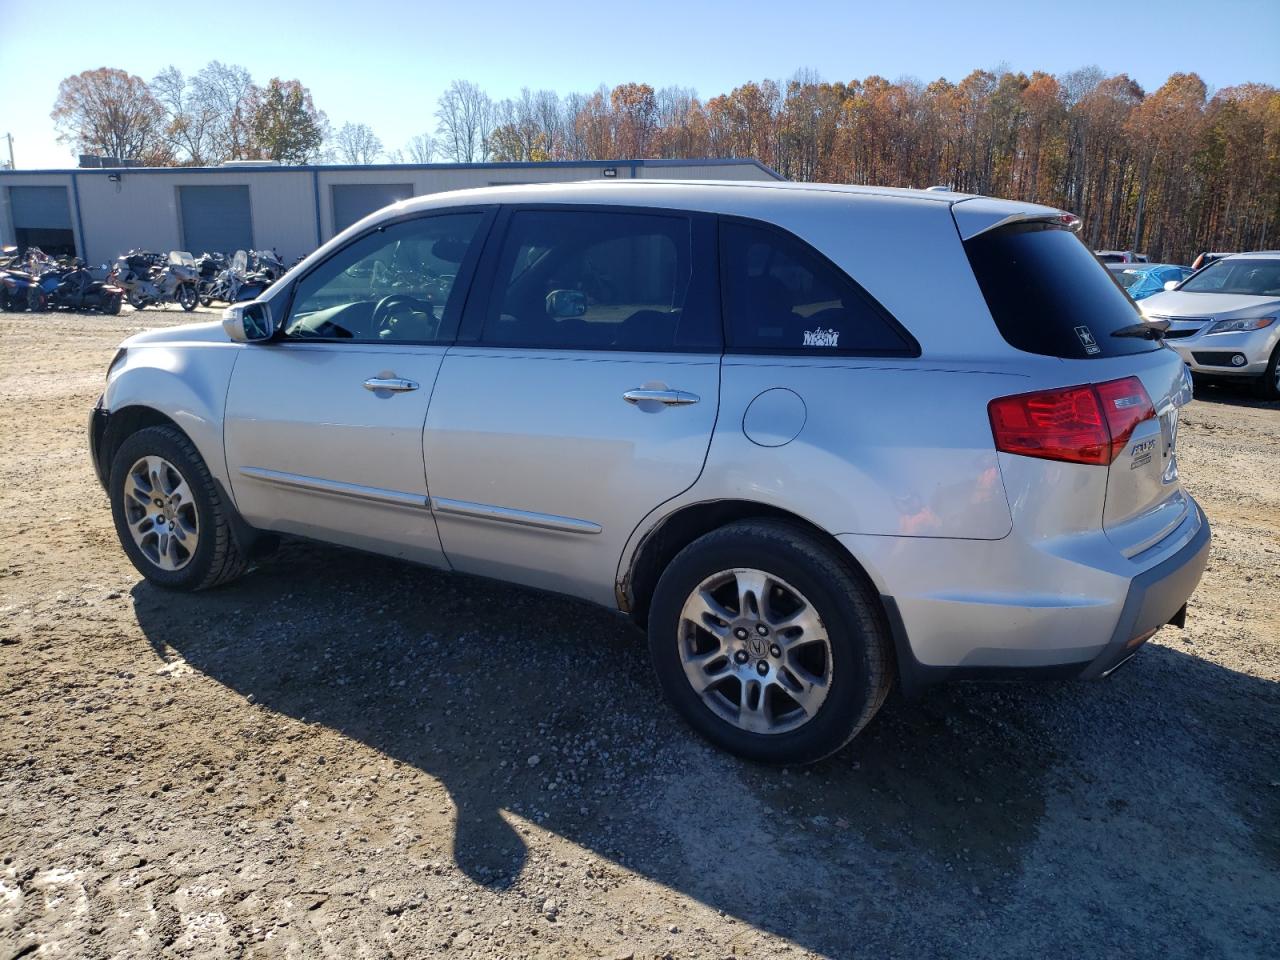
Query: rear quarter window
{"x": 780, "y": 295}
{"x": 1048, "y": 294}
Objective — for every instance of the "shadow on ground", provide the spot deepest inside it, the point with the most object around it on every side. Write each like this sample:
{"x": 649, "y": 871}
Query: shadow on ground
{"x": 937, "y": 803}
{"x": 1232, "y": 393}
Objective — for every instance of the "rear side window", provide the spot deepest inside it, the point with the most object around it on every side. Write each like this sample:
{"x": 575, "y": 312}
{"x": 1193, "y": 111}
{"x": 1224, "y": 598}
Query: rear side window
{"x": 600, "y": 280}
{"x": 1048, "y": 294}
{"x": 781, "y": 295}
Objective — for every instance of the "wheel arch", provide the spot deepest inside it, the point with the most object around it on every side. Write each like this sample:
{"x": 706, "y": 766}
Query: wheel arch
{"x": 183, "y": 385}
{"x": 122, "y": 424}
{"x": 680, "y": 528}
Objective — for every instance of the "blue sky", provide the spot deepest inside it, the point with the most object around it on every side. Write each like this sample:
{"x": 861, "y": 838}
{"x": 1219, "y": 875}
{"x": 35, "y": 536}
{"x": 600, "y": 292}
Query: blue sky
{"x": 383, "y": 62}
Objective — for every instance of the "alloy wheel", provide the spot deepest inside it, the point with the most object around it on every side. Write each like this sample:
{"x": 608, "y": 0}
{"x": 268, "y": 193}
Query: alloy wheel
{"x": 755, "y": 650}
{"x": 161, "y": 513}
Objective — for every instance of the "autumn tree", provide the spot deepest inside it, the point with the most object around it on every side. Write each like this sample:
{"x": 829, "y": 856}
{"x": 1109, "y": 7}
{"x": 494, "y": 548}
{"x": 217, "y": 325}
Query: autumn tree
{"x": 1171, "y": 172}
{"x": 634, "y": 110}
{"x": 111, "y": 113}
{"x": 285, "y": 124}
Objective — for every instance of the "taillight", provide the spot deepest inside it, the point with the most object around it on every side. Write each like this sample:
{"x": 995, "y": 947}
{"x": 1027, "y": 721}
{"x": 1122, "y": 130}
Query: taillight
{"x": 1091, "y": 423}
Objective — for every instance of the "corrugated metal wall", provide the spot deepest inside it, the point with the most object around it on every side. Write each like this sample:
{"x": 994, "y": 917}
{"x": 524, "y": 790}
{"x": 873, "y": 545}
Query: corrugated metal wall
{"x": 291, "y": 209}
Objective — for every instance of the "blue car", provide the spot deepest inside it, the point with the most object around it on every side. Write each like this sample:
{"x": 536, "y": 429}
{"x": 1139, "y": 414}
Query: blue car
{"x": 1143, "y": 279}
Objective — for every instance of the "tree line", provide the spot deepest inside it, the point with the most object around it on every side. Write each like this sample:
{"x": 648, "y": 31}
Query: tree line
{"x": 1169, "y": 172}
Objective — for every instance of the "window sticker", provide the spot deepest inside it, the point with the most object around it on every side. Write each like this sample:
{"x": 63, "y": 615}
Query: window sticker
{"x": 1086, "y": 337}
{"x": 821, "y": 338}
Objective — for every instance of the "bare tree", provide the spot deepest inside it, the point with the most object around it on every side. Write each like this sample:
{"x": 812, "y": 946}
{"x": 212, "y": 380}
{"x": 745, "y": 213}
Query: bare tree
{"x": 228, "y": 94}
{"x": 421, "y": 149}
{"x": 357, "y": 143}
{"x": 465, "y": 116}
{"x": 190, "y": 125}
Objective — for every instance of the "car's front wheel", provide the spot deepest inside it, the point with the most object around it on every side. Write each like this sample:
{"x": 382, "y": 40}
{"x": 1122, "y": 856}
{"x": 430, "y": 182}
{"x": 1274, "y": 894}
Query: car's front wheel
{"x": 1268, "y": 385}
{"x": 168, "y": 514}
{"x": 768, "y": 643}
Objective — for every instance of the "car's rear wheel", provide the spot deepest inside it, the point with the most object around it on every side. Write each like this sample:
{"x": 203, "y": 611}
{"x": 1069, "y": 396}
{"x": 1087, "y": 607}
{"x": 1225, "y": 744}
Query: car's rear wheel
{"x": 168, "y": 514}
{"x": 768, "y": 643}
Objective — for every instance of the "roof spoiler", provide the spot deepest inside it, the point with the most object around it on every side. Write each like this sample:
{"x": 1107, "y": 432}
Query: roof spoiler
{"x": 980, "y": 215}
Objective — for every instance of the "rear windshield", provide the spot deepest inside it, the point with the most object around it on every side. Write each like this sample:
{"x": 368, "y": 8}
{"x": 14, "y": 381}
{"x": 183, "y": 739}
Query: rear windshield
{"x": 1048, "y": 293}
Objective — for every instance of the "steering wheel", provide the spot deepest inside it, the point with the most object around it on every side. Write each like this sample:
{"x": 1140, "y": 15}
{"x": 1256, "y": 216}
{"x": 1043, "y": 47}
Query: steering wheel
{"x": 382, "y": 311}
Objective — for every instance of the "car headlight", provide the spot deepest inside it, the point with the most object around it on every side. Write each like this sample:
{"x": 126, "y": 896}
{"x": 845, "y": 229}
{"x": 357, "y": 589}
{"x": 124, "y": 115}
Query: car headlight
{"x": 1237, "y": 326}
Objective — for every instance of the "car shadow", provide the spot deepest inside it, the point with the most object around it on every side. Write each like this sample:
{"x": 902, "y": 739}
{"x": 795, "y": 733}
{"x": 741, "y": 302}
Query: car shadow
{"x": 1231, "y": 393}
{"x": 533, "y": 707}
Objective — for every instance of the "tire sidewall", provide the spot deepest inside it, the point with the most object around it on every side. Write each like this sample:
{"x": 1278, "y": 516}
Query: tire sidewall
{"x": 164, "y": 442}
{"x": 851, "y": 686}
{"x": 1266, "y": 388}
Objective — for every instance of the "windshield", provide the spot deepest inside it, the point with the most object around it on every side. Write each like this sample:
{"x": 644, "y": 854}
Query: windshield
{"x": 1258, "y": 278}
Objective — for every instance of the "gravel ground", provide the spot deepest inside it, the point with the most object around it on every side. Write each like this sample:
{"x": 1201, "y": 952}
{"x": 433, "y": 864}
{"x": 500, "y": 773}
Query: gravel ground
{"x": 350, "y": 757}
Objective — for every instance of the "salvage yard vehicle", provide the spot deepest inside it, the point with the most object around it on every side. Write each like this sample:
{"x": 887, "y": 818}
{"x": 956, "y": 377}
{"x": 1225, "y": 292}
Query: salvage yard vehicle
{"x": 149, "y": 278}
{"x": 1141, "y": 280}
{"x": 1225, "y": 320}
{"x": 723, "y": 408}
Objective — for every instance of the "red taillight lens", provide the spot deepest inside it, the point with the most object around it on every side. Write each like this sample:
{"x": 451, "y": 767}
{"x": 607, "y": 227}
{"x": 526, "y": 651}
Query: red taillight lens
{"x": 1125, "y": 404}
{"x": 1086, "y": 424}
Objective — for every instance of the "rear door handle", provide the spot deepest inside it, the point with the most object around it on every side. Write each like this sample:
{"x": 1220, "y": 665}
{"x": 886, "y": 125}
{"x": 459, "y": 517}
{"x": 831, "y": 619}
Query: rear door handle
{"x": 672, "y": 398}
{"x": 390, "y": 384}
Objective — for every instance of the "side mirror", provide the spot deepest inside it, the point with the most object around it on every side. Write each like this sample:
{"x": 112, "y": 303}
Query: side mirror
{"x": 248, "y": 322}
{"x": 1170, "y": 284}
{"x": 566, "y": 304}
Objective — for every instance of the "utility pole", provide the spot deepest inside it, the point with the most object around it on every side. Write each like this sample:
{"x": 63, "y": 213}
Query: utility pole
{"x": 9, "y": 137}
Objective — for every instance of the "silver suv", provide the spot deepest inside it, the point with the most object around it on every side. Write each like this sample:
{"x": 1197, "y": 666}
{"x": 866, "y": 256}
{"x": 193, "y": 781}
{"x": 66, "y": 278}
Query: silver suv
{"x": 810, "y": 437}
{"x": 1225, "y": 319}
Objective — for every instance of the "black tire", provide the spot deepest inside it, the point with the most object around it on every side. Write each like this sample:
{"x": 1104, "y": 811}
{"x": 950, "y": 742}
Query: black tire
{"x": 1266, "y": 387}
{"x": 217, "y": 558}
{"x": 860, "y": 650}
{"x": 113, "y": 305}
{"x": 188, "y": 298}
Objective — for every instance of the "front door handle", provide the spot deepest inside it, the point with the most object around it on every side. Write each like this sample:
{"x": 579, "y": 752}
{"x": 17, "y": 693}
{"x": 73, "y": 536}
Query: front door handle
{"x": 390, "y": 384}
{"x": 672, "y": 398}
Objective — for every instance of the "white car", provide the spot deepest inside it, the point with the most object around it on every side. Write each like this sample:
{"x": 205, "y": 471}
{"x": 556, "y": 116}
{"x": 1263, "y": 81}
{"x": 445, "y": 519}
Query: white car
{"x": 811, "y": 437}
{"x": 1224, "y": 320}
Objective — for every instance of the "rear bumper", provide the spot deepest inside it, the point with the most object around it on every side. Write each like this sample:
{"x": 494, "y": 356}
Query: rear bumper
{"x": 1013, "y": 641}
{"x": 1156, "y": 597}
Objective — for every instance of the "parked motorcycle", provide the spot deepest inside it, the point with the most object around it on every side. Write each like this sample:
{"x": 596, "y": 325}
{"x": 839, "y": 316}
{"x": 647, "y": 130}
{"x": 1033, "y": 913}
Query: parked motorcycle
{"x": 78, "y": 290}
{"x": 208, "y": 267}
{"x": 266, "y": 263}
{"x": 236, "y": 283}
{"x": 27, "y": 282}
{"x": 148, "y": 279}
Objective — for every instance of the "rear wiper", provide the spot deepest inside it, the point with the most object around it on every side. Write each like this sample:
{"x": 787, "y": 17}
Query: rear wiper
{"x": 1144, "y": 329}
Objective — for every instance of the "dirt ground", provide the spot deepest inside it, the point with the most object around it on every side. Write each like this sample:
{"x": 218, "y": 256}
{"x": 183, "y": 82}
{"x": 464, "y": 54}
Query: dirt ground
{"x": 343, "y": 756}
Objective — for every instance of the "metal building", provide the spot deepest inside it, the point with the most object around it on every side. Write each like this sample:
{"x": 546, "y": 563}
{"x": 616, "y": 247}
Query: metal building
{"x": 101, "y": 213}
